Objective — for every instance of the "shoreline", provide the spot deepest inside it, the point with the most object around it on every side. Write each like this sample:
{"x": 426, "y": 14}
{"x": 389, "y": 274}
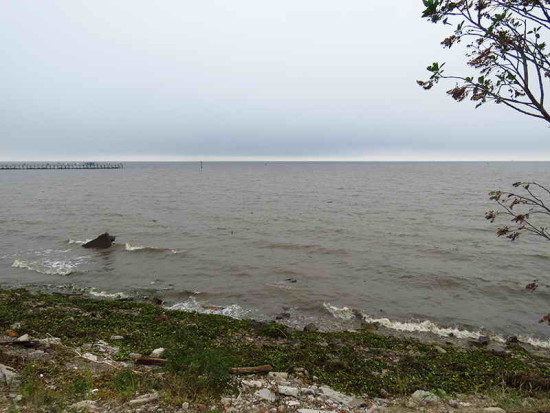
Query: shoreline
{"x": 95, "y": 342}
{"x": 342, "y": 319}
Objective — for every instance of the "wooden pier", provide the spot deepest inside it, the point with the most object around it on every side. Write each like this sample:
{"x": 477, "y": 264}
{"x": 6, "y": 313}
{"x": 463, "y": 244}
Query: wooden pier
{"x": 59, "y": 165}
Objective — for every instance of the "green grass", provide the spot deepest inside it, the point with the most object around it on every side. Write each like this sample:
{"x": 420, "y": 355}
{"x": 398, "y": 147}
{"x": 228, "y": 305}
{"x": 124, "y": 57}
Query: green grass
{"x": 201, "y": 348}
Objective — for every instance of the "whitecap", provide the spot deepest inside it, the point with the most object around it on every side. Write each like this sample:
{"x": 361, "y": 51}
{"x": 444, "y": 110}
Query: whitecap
{"x": 192, "y": 305}
{"x": 73, "y": 241}
{"x": 426, "y": 326}
{"x": 47, "y": 266}
{"x": 105, "y": 294}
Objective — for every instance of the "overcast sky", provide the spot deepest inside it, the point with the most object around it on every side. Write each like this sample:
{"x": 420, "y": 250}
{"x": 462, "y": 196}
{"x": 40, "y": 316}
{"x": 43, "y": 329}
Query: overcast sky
{"x": 238, "y": 80}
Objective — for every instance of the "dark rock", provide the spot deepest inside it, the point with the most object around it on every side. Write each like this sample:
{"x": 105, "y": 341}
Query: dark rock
{"x": 512, "y": 340}
{"x": 311, "y": 327}
{"x": 157, "y": 301}
{"x": 282, "y": 316}
{"x": 483, "y": 341}
{"x": 369, "y": 326}
{"x": 102, "y": 242}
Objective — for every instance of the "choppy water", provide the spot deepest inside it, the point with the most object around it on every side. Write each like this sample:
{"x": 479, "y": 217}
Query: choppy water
{"x": 397, "y": 241}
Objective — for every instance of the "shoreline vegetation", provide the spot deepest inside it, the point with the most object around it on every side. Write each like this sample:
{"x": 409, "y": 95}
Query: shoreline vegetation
{"x": 62, "y": 353}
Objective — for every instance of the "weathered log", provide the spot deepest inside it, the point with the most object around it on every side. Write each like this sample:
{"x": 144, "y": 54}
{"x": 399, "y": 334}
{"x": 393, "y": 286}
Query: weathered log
{"x": 251, "y": 370}
{"x": 25, "y": 343}
{"x": 150, "y": 361}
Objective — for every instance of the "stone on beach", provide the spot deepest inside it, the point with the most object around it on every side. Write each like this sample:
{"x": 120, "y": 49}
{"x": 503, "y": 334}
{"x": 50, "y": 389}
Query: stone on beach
{"x": 158, "y": 352}
{"x": 85, "y": 406}
{"x": 102, "y": 242}
{"x": 146, "y": 398}
{"x": 266, "y": 394}
{"x": 425, "y": 396}
{"x": 7, "y": 374}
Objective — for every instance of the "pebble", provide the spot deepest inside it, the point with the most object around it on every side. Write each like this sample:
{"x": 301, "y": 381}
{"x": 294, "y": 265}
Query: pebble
{"x": 90, "y": 356}
{"x": 146, "y": 398}
{"x": 85, "y": 405}
{"x": 277, "y": 375}
{"x": 425, "y": 396}
{"x": 7, "y": 374}
{"x": 315, "y": 411}
{"x": 50, "y": 341}
{"x": 117, "y": 338}
{"x": 266, "y": 394}
{"x": 288, "y": 391}
{"x": 158, "y": 352}
{"x": 440, "y": 350}
{"x": 494, "y": 410}
{"x": 311, "y": 327}
{"x": 24, "y": 337}
{"x": 340, "y": 397}
{"x": 252, "y": 383}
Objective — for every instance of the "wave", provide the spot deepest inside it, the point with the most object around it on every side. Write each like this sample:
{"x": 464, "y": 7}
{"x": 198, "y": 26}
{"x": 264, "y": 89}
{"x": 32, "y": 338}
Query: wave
{"x": 104, "y": 294}
{"x": 426, "y": 326}
{"x": 73, "y": 241}
{"x": 192, "y": 305}
{"x": 48, "y": 267}
{"x": 132, "y": 247}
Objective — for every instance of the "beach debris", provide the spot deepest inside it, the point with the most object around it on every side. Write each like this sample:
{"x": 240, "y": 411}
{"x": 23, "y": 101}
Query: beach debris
{"x": 251, "y": 370}
{"x": 101, "y": 242}
{"x": 149, "y": 361}
{"x": 12, "y": 334}
{"x": 117, "y": 338}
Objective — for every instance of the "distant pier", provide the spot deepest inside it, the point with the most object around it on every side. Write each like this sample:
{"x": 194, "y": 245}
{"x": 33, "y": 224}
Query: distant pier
{"x": 60, "y": 165}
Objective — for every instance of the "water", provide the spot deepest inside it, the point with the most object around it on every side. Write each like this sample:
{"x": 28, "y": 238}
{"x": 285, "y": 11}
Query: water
{"x": 397, "y": 241}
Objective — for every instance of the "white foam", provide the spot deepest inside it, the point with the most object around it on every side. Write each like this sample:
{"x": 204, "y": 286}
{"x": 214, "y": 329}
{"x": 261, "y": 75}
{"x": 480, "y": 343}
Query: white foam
{"x": 47, "y": 266}
{"x": 130, "y": 247}
{"x": 72, "y": 241}
{"x": 426, "y": 326}
{"x": 192, "y": 305}
{"x": 105, "y": 294}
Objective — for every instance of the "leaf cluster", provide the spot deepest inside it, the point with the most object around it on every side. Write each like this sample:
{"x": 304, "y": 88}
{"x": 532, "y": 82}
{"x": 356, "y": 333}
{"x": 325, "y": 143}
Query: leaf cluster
{"x": 506, "y": 48}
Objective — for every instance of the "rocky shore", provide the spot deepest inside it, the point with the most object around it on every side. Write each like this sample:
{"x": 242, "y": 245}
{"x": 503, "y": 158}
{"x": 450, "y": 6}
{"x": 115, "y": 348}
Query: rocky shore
{"x": 71, "y": 354}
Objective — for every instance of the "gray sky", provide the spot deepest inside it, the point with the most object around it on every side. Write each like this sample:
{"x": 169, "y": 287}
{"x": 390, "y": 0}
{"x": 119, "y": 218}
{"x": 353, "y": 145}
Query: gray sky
{"x": 238, "y": 80}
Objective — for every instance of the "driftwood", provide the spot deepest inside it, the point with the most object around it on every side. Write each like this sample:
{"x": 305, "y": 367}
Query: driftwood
{"x": 251, "y": 370}
{"x": 150, "y": 361}
{"x": 26, "y": 343}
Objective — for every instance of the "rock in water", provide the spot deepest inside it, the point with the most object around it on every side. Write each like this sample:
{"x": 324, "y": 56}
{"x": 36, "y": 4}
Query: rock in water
{"x": 102, "y": 242}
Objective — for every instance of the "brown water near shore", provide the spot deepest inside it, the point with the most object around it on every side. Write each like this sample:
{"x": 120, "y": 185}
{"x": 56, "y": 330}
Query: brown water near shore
{"x": 397, "y": 241}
